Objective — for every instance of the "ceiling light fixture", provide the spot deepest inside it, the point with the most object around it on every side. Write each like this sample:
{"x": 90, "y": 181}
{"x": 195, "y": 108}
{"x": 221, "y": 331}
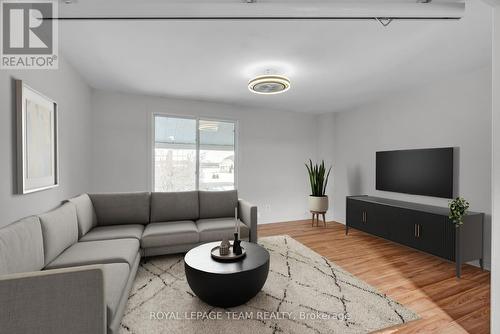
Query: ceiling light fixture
{"x": 269, "y": 84}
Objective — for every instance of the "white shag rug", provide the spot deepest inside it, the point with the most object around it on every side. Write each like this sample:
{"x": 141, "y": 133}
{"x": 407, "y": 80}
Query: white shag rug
{"x": 304, "y": 293}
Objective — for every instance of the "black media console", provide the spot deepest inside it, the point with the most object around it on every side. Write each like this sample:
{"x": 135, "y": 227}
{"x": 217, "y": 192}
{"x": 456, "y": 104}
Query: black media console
{"x": 423, "y": 227}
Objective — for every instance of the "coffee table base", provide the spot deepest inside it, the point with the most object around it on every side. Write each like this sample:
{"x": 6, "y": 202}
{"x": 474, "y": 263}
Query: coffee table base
{"x": 226, "y": 290}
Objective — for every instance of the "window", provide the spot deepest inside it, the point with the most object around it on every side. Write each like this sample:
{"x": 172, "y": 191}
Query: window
{"x": 192, "y": 154}
{"x": 175, "y": 154}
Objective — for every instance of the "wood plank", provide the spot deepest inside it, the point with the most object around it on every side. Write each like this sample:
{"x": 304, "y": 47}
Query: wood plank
{"x": 421, "y": 282}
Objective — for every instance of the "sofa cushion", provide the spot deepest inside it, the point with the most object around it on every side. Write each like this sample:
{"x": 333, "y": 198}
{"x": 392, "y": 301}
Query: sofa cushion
{"x": 169, "y": 233}
{"x": 115, "y": 280}
{"x": 114, "y": 232}
{"x": 174, "y": 206}
{"x": 97, "y": 252}
{"x": 59, "y": 230}
{"x": 217, "y": 228}
{"x": 217, "y": 204}
{"x": 21, "y": 247}
{"x": 121, "y": 208}
{"x": 85, "y": 213}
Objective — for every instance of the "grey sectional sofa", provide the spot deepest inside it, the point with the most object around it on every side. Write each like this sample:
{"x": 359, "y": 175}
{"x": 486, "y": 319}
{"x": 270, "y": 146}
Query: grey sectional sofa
{"x": 71, "y": 270}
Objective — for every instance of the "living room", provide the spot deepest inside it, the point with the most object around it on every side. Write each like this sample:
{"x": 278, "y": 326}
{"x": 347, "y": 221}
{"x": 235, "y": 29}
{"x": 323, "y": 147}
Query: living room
{"x": 171, "y": 126}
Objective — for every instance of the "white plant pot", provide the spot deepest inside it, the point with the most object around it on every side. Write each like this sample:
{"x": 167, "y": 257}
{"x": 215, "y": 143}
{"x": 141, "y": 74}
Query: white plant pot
{"x": 318, "y": 204}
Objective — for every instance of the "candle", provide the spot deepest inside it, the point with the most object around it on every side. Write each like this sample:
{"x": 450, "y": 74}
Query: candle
{"x": 236, "y": 220}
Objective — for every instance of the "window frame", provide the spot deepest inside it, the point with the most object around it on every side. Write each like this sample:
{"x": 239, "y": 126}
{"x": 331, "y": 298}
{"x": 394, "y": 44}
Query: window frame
{"x": 197, "y": 119}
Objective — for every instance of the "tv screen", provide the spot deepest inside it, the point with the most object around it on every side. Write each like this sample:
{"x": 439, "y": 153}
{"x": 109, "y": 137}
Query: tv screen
{"x": 426, "y": 172}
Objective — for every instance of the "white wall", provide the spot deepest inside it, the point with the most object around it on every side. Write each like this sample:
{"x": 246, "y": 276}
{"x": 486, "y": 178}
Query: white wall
{"x": 73, "y": 96}
{"x": 273, "y": 147}
{"x": 455, "y": 112}
{"x": 326, "y": 152}
{"x": 495, "y": 234}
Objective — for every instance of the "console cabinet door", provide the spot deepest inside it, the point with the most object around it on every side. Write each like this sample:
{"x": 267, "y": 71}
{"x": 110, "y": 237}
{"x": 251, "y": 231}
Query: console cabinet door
{"x": 376, "y": 219}
{"x": 423, "y": 231}
{"x": 367, "y": 217}
{"x": 401, "y": 227}
{"x": 436, "y": 235}
{"x": 355, "y": 214}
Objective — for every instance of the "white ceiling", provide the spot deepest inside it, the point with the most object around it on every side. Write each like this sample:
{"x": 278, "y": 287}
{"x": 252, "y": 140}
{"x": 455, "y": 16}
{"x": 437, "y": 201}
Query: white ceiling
{"x": 332, "y": 65}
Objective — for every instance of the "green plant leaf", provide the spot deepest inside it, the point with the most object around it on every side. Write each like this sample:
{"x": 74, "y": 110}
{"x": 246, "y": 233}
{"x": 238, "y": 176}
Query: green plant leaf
{"x": 318, "y": 177}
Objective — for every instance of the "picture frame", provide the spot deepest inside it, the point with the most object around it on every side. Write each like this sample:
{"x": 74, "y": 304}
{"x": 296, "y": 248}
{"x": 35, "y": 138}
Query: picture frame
{"x": 37, "y": 140}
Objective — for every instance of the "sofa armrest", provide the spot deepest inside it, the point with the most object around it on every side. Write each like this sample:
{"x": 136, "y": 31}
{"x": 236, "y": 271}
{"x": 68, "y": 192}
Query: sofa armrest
{"x": 59, "y": 301}
{"x": 248, "y": 215}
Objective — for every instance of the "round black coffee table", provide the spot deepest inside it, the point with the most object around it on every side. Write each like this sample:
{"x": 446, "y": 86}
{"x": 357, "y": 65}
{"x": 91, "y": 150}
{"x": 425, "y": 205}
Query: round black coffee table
{"x": 226, "y": 284}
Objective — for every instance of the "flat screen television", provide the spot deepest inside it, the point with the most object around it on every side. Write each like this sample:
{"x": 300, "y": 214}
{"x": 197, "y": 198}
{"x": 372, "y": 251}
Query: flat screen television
{"x": 426, "y": 172}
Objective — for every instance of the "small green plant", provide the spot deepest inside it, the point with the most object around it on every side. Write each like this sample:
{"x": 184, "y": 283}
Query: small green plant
{"x": 458, "y": 209}
{"x": 318, "y": 178}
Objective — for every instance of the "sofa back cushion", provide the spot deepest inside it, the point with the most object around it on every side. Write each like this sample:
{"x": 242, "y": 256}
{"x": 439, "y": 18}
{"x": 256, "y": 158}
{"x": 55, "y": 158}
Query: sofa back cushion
{"x": 218, "y": 204}
{"x": 85, "y": 213}
{"x": 59, "y": 230}
{"x": 21, "y": 247}
{"x": 121, "y": 208}
{"x": 174, "y": 206}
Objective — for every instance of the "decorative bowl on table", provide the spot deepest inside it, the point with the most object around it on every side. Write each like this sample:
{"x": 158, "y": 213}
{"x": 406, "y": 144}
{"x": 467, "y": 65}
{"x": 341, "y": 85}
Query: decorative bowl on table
{"x": 231, "y": 256}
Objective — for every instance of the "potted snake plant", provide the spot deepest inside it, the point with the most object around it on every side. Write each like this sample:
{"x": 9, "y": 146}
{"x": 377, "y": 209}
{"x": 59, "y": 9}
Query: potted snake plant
{"x": 318, "y": 178}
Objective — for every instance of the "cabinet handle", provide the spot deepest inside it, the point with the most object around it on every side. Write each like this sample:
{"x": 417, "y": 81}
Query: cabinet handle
{"x": 415, "y": 230}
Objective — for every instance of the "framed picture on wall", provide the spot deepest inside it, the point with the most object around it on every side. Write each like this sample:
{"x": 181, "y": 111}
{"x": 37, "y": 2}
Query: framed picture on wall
{"x": 37, "y": 142}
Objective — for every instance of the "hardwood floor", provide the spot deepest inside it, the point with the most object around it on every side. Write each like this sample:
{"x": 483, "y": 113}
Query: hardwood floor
{"x": 421, "y": 282}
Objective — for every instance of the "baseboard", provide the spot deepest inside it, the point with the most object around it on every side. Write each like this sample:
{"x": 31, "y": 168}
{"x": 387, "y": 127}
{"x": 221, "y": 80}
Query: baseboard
{"x": 475, "y": 263}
